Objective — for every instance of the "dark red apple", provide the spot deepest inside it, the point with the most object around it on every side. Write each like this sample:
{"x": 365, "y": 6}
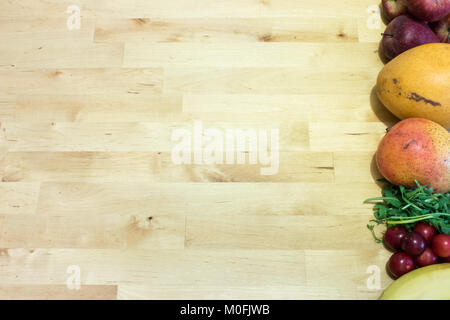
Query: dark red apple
{"x": 393, "y": 8}
{"x": 428, "y": 10}
{"x": 442, "y": 29}
{"x": 404, "y": 33}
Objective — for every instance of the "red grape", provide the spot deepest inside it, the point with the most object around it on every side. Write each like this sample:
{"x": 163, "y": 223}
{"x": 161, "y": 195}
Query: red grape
{"x": 428, "y": 257}
{"x": 445, "y": 260}
{"x": 394, "y": 236}
{"x": 426, "y": 231}
{"x": 400, "y": 263}
{"x": 413, "y": 244}
{"x": 441, "y": 245}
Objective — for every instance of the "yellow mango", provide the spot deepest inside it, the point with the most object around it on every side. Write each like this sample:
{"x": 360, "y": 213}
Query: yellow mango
{"x": 416, "y": 84}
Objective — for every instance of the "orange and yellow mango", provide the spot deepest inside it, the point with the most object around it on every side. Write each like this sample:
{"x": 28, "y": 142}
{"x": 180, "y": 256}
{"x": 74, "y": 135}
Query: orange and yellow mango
{"x": 416, "y": 149}
{"x": 416, "y": 84}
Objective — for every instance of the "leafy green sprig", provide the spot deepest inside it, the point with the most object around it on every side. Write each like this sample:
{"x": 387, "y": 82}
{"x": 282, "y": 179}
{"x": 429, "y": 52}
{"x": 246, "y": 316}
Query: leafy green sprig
{"x": 407, "y": 206}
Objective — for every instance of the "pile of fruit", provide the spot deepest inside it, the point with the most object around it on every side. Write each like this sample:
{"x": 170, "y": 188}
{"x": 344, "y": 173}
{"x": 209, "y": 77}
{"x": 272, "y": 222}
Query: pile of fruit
{"x": 418, "y": 222}
{"x": 413, "y": 23}
{"x": 414, "y": 155}
{"x": 420, "y": 247}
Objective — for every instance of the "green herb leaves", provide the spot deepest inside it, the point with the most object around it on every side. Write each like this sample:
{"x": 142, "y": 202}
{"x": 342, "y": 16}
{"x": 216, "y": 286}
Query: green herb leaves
{"x": 400, "y": 205}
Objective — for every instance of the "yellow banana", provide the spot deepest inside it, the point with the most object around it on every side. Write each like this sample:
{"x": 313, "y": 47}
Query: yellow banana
{"x": 428, "y": 283}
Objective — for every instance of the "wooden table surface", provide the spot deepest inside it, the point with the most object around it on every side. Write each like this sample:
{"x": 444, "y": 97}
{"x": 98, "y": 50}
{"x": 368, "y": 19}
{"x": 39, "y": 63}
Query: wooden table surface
{"x": 87, "y": 117}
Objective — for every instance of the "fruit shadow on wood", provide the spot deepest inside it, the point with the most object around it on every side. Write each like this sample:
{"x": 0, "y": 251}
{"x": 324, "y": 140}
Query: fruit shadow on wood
{"x": 381, "y": 54}
{"x": 375, "y": 172}
{"x": 383, "y": 114}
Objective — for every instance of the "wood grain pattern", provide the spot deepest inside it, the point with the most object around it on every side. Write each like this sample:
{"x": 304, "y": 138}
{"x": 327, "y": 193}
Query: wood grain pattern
{"x": 57, "y": 292}
{"x": 86, "y": 124}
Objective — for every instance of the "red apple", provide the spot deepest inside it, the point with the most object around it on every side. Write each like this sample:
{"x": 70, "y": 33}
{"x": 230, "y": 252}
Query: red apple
{"x": 393, "y": 8}
{"x": 428, "y": 10}
{"x": 404, "y": 33}
{"x": 442, "y": 29}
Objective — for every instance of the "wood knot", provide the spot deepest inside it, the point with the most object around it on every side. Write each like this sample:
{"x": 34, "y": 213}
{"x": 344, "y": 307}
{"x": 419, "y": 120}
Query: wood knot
{"x": 266, "y": 38}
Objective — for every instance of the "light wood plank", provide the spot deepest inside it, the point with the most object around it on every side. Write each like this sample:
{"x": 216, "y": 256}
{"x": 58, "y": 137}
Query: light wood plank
{"x": 265, "y": 81}
{"x": 137, "y": 136}
{"x": 340, "y": 136}
{"x": 206, "y": 199}
{"x": 7, "y": 109}
{"x": 123, "y": 230}
{"x": 159, "y": 167}
{"x": 102, "y": 81}
{"x": 355, "y": 167}
{"x": 19, "y": 198}
{"x": 67, "y": 53}
{"x": 57, "y": 292}
{"x": 347, "y": 269}
{"x": 190, "y": 8}
{"x": 288, "y": 292}
{"x": 157, "y": 268}
{"x": 23, "y": 30}
{"x": 226, "y": 30}
{"x": 121, "y": 107}
{"x": 311, "y": 107}
{"x": 268, "y": 232}
{"x": 316, "y": 57}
